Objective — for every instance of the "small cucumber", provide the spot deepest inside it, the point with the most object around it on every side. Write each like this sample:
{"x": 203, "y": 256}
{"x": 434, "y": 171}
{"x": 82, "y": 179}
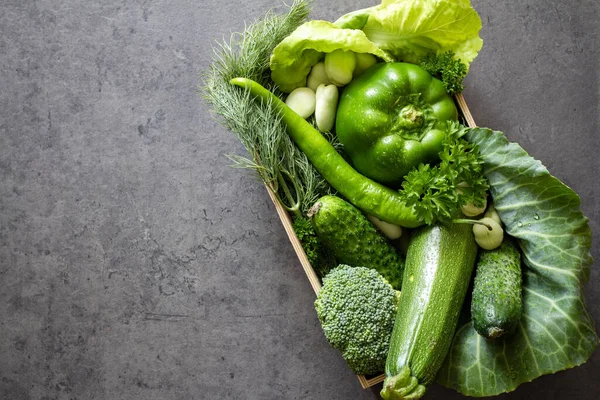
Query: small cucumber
{"x": 354, "y": 240}
{"x": 439, "y": 264}
{"x": 497, "y": 302}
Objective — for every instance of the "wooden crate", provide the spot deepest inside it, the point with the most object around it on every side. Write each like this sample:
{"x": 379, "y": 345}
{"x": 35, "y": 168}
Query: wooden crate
{"x": 308, "y": 269}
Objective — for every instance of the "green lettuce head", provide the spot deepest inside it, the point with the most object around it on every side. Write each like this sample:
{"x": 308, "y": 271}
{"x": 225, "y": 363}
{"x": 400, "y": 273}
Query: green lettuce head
{"x": 293, "y": 58}
{"x": 409, "y": 30}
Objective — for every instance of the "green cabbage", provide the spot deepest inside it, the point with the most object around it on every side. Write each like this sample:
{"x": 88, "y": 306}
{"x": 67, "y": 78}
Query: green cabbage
{"x": 293, "y": 58}
{"x": 411, "y": 29}
{"x": 556, "y": 331}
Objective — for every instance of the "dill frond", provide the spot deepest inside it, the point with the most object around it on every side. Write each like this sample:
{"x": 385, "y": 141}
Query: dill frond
{"x": 257, "y": 125}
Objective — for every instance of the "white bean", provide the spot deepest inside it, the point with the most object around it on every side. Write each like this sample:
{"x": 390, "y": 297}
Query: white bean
{"x": 493, "y": 214}
{"x": 317, "y": 76}
{"x": 363, "y": 61}
{"x": 391, "y": 231}
{"x": 326, "y": 107}
{"x": 470, "y": 210}
{"x": 488, "y": 239}
{"x": 302, "y": 101}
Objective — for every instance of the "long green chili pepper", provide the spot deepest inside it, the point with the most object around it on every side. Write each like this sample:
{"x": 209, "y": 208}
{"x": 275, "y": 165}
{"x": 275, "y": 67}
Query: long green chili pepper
{"x": 369, "y": 196}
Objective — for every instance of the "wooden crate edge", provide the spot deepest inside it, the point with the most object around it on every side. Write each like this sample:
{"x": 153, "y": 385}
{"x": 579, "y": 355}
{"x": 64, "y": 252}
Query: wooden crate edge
{"x": 287, "y": 225}
{"x": 464, "y": 109}
{"x": 308, "y": 269}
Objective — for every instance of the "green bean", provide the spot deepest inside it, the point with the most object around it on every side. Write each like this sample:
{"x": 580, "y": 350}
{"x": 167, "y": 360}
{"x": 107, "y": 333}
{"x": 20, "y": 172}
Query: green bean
{"x": 369, "y": 196}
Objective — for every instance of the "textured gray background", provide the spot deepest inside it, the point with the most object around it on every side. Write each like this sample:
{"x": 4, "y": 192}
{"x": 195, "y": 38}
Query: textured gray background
{"x": 135, "y": 264}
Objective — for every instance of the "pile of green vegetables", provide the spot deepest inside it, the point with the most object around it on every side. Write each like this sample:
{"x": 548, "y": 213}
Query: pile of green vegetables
{"x": 446, "y": 253}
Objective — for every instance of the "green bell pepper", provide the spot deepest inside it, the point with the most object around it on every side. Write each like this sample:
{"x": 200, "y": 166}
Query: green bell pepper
{"x": 388, "y": 120}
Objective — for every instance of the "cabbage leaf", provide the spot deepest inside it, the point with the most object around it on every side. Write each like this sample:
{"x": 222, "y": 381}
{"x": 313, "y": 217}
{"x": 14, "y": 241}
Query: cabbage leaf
{"x": 293, "y": 58}
{"x": 411, "y": 29}
{"x": 556, "y": 331}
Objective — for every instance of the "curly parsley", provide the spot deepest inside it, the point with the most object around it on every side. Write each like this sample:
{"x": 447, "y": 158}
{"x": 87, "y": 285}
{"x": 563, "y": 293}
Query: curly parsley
{"x": 432, "y": 190}
{"x": 449, "y": 70}
{"x": 320, "y": 257}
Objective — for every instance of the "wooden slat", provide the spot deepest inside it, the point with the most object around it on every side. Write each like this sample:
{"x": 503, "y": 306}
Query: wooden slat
{"x": 462, "y": 104}
{"x": 373, "y": 381}
{"x": 287, "y": 225}
{"x": 308, "y": 269}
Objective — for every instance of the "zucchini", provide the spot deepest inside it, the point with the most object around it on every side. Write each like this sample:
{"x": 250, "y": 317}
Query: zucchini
{"x": 354, "y": 240}
{"x": 439, "y": 264}
{"x": 497, "y": 302}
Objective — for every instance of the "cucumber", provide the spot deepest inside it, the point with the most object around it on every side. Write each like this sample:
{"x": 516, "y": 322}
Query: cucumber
{"x": 497, "y": 302}
{"x": 439, "y": 263}
{"x": 354, "y": 240}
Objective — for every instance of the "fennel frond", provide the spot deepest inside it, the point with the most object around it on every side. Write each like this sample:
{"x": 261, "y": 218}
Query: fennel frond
{"x": 272, "y": 153}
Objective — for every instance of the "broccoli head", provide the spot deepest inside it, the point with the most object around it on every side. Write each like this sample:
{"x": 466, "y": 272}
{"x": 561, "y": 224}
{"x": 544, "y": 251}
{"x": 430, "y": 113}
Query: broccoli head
{"x": 357, "y": 308}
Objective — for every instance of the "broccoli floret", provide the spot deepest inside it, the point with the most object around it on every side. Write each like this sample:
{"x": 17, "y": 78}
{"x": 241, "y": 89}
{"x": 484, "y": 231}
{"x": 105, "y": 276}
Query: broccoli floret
{"x": 357, "y": 307}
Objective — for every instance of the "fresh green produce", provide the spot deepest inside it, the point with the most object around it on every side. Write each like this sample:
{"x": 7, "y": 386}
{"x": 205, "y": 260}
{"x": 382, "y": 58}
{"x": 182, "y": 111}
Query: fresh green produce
{"x": 439, "y": 264}
{"x": 410, "y": 30}
{"x": 497, "y": 301}
{"x": 429, "y": 192}
{"x": 556, "y": 331}
{"x": 391, "y": 231}
{"x": 388, "y": 120}
{"x": 371, "y": 197}
{"x": 356, "y": 307}
{"x": 320, "y": 257}
{"x": 293, "y": 58}
{"x": 488, "y": 233}
{"x": 438, "y": 192}
{"x": 354, "y": 240}
{"x": 492, "y": 213}
{"x": 272, "y": 154}
{"x": 317, "y": 76}
{"x": 448, "y": 69}
{"x": 326, "y": 107}
{"x": 339, "y": 66}
{"x": 354, "y": 19}
{"x": 302, "y": 101}
{"x": 363, "y": 62}
{"x": 472, "y": 210}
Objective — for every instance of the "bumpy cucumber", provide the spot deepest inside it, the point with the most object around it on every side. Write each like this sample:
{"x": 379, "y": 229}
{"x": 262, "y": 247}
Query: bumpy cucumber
{"x": 497, "y": 302}
{"x": 354, "y": 240}
{"x": 439, "y": 264}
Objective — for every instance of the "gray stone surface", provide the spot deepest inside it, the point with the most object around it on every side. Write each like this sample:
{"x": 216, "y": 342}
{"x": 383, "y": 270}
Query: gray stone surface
{"x": 135, "y": 264}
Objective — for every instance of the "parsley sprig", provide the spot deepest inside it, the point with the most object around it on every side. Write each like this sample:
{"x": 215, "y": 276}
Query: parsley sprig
{"x": 437, "y": 192}
{"x": 321, "y": 258}
{"x": 448, "y": 69}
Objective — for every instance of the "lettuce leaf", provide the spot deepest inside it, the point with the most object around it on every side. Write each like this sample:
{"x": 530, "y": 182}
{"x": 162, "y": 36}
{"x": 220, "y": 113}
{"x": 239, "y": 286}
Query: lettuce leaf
{"x": 293, "y": 58}
{"x": 556, "y": 331}
{"x": 411, "y": 29}
{"x": 354, "y": 19}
